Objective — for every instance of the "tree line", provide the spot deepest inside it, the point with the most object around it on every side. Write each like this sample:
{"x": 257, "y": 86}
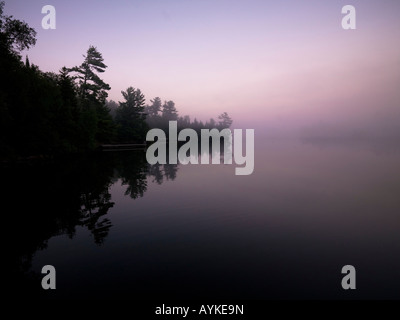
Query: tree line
{"x": 157, "y": 114}
{"x": 46, "y": 113}
{"x": 70, "y": 193}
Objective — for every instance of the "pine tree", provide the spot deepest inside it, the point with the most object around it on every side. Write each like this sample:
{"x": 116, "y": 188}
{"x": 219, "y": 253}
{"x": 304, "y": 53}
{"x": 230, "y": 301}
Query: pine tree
{"x": 155, "y": 107}
{"x": 130, "y": 116}
{"x": 169, "y": 112}
{"x": 90, "y": 83}
{"x": 68, "y": 116}
{"x": 225, "y": 120}
{"x": 93, "y": 95}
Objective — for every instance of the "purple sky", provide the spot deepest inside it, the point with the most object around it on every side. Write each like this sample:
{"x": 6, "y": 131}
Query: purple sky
{"x": 264, "y": 62}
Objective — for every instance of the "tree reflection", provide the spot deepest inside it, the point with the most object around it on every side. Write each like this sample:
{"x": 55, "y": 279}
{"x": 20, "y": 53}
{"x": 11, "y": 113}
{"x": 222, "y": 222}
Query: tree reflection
{"x": 59, "y": 197}
{"x": 158, "y": 171}
{"x": 56, "y": 198}
{"x": 170, "y": 171}
{"x": 93, "y": 207}
{"x": 132, "y": 170}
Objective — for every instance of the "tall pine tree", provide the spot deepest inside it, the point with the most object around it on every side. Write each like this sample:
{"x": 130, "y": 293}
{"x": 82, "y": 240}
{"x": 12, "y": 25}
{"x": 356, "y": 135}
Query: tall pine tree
{"x": 96, "y": 119}
{"x": 169, "y": 112}
{"x": 130, "y": 117}
{"x": 90, "y": 84}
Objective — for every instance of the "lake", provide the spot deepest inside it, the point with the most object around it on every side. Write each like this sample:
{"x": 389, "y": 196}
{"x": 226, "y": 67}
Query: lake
{"x": 114, "y": 226}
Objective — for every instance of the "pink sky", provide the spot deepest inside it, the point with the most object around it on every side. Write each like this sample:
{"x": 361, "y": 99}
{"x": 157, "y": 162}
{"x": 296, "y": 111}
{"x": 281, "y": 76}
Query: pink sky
{"x": 261, "y": 61}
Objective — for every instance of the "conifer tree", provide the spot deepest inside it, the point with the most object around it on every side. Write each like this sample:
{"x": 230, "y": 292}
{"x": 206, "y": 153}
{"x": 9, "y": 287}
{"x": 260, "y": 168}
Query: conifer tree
{"x": 90, "y": 84}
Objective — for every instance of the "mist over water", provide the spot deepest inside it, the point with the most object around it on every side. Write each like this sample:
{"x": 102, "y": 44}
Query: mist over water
{"x": 199, "y": 231}
{"x": 324, "y": 104}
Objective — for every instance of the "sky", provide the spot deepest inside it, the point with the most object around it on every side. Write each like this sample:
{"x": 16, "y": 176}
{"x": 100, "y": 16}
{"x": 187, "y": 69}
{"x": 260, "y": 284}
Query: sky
{"x": 266, "y": 63}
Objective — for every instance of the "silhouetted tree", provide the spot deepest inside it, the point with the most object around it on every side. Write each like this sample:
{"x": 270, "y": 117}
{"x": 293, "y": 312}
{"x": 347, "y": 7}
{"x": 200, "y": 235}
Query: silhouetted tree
{"x": 225, "y": 120}
{"x": 112, "y": 106}
{"x": 92, "y": 90}
{"x": 211, "y": 124}
{"x": 68, "y": 116}
{"x": 15, "y": 35}
{"x": 169, "y": 112}
{"x": 155, "y": 107}
{"x": 90, "y": 83}
{"x": 130, "y": 116}
{"x": 42, "y": 114}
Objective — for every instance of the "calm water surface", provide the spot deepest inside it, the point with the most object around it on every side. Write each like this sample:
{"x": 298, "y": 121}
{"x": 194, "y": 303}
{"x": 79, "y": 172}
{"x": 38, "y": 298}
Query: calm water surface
{"x": 113, "y": 226}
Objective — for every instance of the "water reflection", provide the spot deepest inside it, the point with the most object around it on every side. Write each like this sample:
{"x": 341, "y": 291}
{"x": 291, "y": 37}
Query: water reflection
{"x": 377, "y": 145}
{"x": 304, "y": 214}
{"x": 70, "y": 193}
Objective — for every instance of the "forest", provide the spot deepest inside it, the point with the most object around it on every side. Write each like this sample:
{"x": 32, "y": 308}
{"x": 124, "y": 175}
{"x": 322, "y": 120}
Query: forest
{"x": 46, "y": 113}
